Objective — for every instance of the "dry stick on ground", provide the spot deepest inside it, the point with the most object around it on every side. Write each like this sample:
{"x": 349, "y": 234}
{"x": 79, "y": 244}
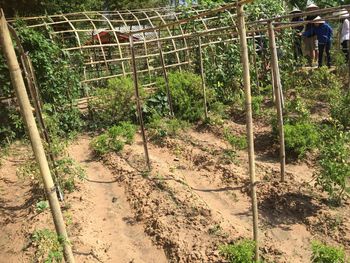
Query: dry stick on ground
{"x": 277, "y": 84}
{"x": 203, "y": 77}
{"x": 250, "y": 135}
{"x": 38, "y": 149}
{"x": 138, "y": 103}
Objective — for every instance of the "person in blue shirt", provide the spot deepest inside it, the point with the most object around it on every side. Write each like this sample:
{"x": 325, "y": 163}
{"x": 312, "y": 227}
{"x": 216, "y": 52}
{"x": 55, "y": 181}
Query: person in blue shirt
{"x": 324, "y": 34}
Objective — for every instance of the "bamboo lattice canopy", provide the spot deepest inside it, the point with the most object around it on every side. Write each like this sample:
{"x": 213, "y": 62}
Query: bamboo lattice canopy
{"x": 102, "y": 37}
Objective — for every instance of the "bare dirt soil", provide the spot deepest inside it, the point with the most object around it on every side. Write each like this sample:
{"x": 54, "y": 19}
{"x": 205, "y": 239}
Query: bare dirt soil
{"x": 195, "y": 199}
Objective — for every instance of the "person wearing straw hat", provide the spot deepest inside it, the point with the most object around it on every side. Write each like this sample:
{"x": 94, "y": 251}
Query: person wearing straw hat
{"x": 298, "y": 52}
{"x": 324, "y": 33}
{"x": 310, "y": 43}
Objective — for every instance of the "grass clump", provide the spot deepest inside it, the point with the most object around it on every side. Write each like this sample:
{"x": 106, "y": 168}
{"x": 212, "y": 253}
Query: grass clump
{"x": 114, "y": 139}
{"x": 241, "y": 252}
{"x": 48, "y": 246}
{"x": 322, "y": 253}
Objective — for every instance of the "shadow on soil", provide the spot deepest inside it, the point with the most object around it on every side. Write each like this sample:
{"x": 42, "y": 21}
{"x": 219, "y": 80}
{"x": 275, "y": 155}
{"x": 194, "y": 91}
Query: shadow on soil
{"x": 287, "y": 208}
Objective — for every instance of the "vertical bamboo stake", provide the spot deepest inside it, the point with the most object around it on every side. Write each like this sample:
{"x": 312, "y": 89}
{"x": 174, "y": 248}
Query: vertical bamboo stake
{"x": 250, "y": 135}
{"x": 138, "y": 103}
{"x": 255, "y": 65}
{"x": 203, "y": 77}
{"x": 165, "y": 78}
{"x": 38, "y": 149}
{"x": 277, "y": 84}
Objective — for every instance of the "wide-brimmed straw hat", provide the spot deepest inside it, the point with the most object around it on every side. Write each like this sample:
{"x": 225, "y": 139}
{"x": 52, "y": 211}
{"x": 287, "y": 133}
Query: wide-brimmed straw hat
{"x": 318, "y": 20}
{"x": 295, "y": 10}
{"x": 311, "y": 6}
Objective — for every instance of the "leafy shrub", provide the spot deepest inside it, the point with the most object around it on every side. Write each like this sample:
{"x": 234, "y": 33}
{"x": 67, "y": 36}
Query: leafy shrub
{"x": 48, "y": 246}
{"x": 300, "y": 138}
{"x": 114, "y": 138}
{"x": 156, "y": 105}
{"x": 186, "y": 93}
{"x": 321, "y": 253}
{"x": 69, "y": 171}
{"x": 237, "y": 142}
{"x": 159, "y": 128}
{"x": 334, "y": 161}
{"x": 66, "y": 168}
{"x": 242, "y": 252}
{"x": 340, "y": 109}
{"x": 114, "y": 103}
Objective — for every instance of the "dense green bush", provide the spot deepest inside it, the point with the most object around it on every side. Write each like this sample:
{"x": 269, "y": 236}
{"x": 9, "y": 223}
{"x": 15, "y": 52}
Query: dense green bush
{"x": 58, "y": 79}
{"x": 242, "y": 252}
{"x": 334, "y": 161}
{"x": 186, "y": 93}
{"x": 340, "y": 110}
{"x": 114, "y": 138}
{"x": 322, "y": 253}
{"x": 114, "y": 103}
{"x": 300, "y": 138}
{"x": 159, "y": 128}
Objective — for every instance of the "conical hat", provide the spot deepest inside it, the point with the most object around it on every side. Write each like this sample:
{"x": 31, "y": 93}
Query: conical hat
{"x": 318, "y": 20}
{"x": 311, "y": 6}
{"x": 295, "y": 10}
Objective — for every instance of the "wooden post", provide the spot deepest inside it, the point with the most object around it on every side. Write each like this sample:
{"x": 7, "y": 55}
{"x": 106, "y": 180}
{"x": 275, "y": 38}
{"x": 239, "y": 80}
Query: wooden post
{"x": 138, "y": 103}
{"x": 203, "y": 77}
{"x": 165, "y": 78}
{"x": 255, "y": 65}
{"x": 250, "y": 135}
{"x": 277, "y": 84}
{"x": 38, "y": 149}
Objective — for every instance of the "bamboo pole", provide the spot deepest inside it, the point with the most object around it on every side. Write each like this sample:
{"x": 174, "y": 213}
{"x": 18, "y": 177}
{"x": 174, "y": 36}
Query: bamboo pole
{"x": 255, "y": 65}
{"x": 203, "y": 77}
{"x": 38, "y": 149}
{"x": 166, "y": 79}
{"x": 277, "y": 84}
{"x": 138, "y": 103}
{"x": 250, "y": 135}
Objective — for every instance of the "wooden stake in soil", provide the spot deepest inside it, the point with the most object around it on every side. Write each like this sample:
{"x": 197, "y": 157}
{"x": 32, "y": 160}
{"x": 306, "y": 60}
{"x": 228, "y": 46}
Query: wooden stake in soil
{"x": 278, "y": 97}
{"x": 203, "y": 77}
{"x": 255, "y": 65}
{"x": 250, "y": 135}
{"x": 165, "y": 78}
{"x": 138, "y": 103}
{"x": 38, "y": 149}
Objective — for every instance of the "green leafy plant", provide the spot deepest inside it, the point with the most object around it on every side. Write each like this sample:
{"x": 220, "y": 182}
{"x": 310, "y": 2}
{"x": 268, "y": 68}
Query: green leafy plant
{"x": 159, "y": 128}
{"x": 241, "y": 252}
{"x": 69, "y": 171}
{"x": 187, "y": 95}
{"x": 114, "y": 138}
{"x": 300, "y": 138}
{"x": 340, "y": 110}
{"x": 114, "y": 103}
{"x": 334, "y": 161}
{"x": 42, "y": 206}
{"x": 322, "y": 253}
{"x": 237, "y": 142}
{"x": 48, "y": 246}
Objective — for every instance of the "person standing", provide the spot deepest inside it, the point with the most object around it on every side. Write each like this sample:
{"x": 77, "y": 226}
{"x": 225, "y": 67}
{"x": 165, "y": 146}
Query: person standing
{"x": 311, "y": 43}
{"x": 345, "y": 34}
{"x": 297, "y": 49}
{"x": 324, "y": 33}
